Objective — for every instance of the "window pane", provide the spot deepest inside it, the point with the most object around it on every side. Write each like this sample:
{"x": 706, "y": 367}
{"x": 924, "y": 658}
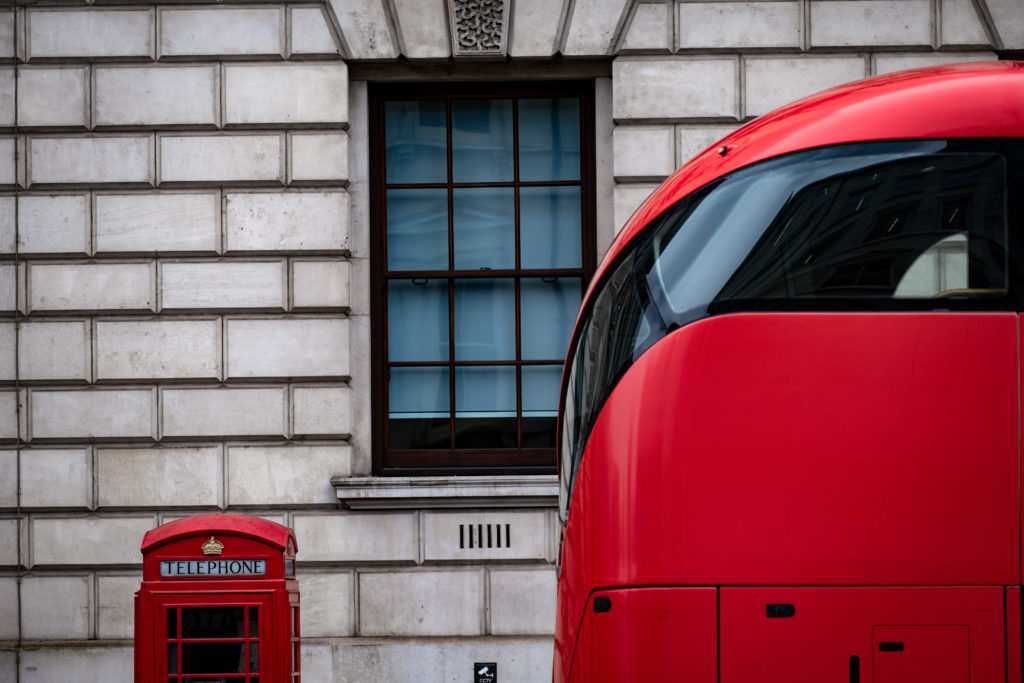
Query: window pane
{"x": 418, "y": 408}
{"x": 212, "y": 622}
{"x": 213, "y": 658}
{"x": 417, "y": 229}
{"x": 418, "y": 320}
{"x": 549, "y": 139}
{"x": 540, "y": 404}
{"x": 485, "y": 407}
{"x": 484, "y": 227}
{"x": 549, "y": 233}
{"x": 485, "y": 319}
{"x": 482, "y": 141}
{"x": 416, "y": 142}
{"x": 548, "y": 311}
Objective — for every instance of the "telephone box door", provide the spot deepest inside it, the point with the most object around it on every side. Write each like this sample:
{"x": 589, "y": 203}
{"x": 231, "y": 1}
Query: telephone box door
{"x": 213, "y": 638}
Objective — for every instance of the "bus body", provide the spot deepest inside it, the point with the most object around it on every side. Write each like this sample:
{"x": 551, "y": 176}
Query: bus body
{"x": 790, "y": 423}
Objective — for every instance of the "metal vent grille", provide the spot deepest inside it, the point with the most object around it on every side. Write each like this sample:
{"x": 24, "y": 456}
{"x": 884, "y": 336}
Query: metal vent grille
{"x": 485, "y": 536}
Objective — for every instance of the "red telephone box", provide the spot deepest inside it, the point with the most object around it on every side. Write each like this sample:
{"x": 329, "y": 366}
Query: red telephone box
{"x": 219, "y": 602}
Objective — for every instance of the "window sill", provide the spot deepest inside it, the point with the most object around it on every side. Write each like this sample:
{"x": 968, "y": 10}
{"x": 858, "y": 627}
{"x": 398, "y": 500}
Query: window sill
{"x": 396, "y": 493}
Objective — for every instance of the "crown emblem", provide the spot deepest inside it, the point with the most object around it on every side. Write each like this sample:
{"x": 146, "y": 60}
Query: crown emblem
{"x": 213, "y": 547}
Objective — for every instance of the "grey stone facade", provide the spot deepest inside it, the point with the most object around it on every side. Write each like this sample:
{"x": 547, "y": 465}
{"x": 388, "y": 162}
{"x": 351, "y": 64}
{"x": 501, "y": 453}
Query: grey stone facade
{"x": 184, "y": 289}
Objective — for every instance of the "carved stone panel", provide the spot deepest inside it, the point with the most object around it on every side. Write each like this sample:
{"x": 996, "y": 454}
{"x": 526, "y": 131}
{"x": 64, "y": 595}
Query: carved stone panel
{"x": 479, "y": 27}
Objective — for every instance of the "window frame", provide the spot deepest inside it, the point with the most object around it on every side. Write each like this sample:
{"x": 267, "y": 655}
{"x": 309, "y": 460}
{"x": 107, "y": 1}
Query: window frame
{"x": 467, "y": 461}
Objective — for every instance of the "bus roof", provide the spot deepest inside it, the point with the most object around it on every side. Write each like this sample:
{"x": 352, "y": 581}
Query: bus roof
{"x": 973, "y": 100}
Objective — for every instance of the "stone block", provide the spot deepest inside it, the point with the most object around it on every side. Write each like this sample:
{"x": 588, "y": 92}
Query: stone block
{"x": 223, "y": 284}
{"x": 464, "y": 536}
{"x": 147, "y": 223}
{"x": 285, "y": 94}
{"x": 650, "y": 30}
{"x": 6, "y": 97}
{"x": 114, "y": 159}
{"x": 1007, "y": 19}
{"x": 107, "y": 413}
{"x": 7, "y": 351}
{"x": 739, "y": 25}
{"x": 293, "y": 221}
{"x": 7, "y": 171}
{"x": 116, "y": 606}
{"x": 318, "y": 284}
{"x": 961, "y": 24}
{"x": 644, "y": 152}
{"x": 158, "y": 349}
{"x": 7, "y": 33}
{"x": 520, "y": 659}
{"x": 8, "y": 415}
{"x": 53, "y": 96}
{"x": 9, "y": 538}
{"x": 523, "y": 601}
{"x": 156, "y": 96}
{"x": 366, "y": 28}
{"x": 79, "y": 664}
{"x": 774, "y": 81}
{"x": 535, "y": 25}
{"x": 421, "y": 603}
{"x": 8, "y": 607}
{"x": 285, "y": 475}
{"x": 287, "y": 348}
{"x": 222, "y": 31}
{"x": 672, "y": 88}
{"x": 8, "y": 287}
{"x": 68, "y": 541}
{"x": 58, "y": 477}
{"x": 328, "y": 616}
{"x": 322, "y": 411}
{"x": 55, "y": 350}
{"x": 855, "y": 23}
{"x": 7, "y": 225}
{"x": 591, "y": 29}
{"x": 693, "y": 140}
{"x": 56, "y": 607}
{"x": 370, "y": 537}
{"x": 424, "y": 27}
{"x": 165, "y": 477}
{"x": 628, "y": 198}
{"x": 255, "y": 411}
{"x": 91, "y": 286}
{"x": 8, "y": 480}
{"x": 311, "y": 33}
{"x": 90, "y": 33}
{"x": 318, "y": 157}
{"x": 901, "y": 61}
{"x": 222, "y": 158}
{"x": 53, "y": 224}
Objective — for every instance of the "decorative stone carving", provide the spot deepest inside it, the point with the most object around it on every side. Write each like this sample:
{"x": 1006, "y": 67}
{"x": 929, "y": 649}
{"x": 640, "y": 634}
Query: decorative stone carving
{"x": 479, "y": 27}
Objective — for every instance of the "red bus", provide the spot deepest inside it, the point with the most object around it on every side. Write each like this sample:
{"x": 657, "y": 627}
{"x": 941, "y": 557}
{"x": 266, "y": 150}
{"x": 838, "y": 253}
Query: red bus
{"x": 790, "y": 429}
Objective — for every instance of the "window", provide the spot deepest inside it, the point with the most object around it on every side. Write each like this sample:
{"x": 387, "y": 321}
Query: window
{"x": 482, "y": 245}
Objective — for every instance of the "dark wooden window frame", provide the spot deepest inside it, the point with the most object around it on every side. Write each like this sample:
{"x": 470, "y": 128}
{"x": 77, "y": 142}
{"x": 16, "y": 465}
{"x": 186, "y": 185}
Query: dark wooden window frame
{"x": 423, "y": 462}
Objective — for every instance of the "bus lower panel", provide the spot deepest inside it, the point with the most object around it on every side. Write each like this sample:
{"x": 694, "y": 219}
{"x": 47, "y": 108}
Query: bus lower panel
{"x": 951, "y": 634}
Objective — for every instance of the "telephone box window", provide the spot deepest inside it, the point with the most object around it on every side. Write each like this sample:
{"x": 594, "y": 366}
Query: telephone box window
{"x": 213, "y": 640}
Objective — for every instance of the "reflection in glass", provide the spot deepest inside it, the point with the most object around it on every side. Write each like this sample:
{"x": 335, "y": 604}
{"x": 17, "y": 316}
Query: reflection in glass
{"x": 418, "y": 408}
{"x": 549, "y": 139}
{"x": 417, "y": 231}
{"x": 416, "y": 142}
{"x": 540, "y": 404}
{"x": 485, "y": 319}
{"x": 484, "y": 227}
{"x": 172, "y": 658}
{"x": 485, "y": 407}
{"x": 482, "y": 141}
{"x": 550, "y": 227}
{"x": 418, "y": 320}
{"x": 549, "y": 308}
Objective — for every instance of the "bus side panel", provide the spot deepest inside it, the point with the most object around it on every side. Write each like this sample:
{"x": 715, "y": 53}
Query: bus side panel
{"x": 884, "y": 635}
{"x": 807, "y": 449}
{"x": 649, "y": 634}
{"x": 1013, "y": 634}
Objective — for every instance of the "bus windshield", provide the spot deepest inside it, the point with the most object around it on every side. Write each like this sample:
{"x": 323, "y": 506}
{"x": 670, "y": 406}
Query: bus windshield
{"x": 915, "y": 225}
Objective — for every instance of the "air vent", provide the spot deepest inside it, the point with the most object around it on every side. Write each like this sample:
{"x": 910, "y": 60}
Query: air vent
{"x": 485, "y": 536}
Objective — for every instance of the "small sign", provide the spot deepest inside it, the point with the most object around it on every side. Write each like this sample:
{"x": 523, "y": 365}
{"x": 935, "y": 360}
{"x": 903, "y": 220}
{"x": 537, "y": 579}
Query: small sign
{"x": 239, "y": 567}
{"x": 485, "y": 672}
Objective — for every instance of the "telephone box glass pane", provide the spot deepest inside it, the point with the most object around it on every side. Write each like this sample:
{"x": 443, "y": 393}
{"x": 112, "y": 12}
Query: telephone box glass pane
{"x": 212, "y": 622}
{"x": 172, "y": 623}
{"x": 254, "y": 657}
{"x": 254, "y": 622}
{"x": 213, "y": 658}
{"x": 172, "y": 658}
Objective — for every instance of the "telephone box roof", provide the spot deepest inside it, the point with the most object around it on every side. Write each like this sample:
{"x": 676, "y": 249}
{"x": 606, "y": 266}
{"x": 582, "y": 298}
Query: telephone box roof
{"x": 256, "y": 528}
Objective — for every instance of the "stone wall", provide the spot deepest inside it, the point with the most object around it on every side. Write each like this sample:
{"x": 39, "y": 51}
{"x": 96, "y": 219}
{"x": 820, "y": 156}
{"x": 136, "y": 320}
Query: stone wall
{"x": 184, "y": 290}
